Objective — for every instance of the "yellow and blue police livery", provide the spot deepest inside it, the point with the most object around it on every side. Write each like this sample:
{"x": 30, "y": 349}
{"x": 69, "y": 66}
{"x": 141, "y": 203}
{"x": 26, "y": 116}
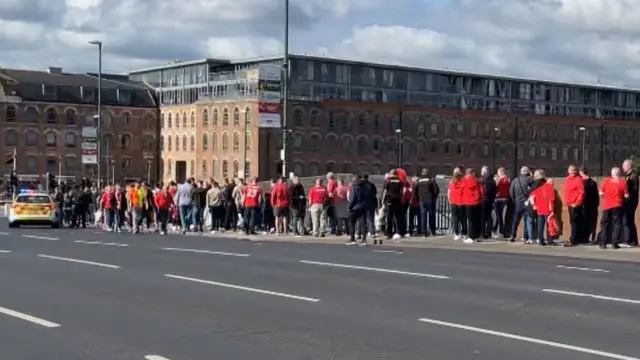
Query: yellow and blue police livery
{"x": 31, "y": 207}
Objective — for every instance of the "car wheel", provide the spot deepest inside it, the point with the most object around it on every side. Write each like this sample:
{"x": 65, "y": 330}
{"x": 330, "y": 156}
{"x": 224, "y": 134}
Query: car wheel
{"x": 55, "y": 225}
{"x": 13, "y": 225}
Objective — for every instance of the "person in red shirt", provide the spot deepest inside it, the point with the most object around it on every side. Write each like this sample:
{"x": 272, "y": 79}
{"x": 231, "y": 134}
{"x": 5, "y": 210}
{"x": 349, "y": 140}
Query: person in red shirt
{"x": 252, "y": 196}
{"x": 330, "y": 208}
{"x": 163, "y": 200}
{"x": 280, "y": 203}
{"x": 454, "y": 194}
{"x": 472, "y": 201}
{"x": 542, "y": 198}
{"x": 109, "y": 205}
{"x": 613, "y": 191}
{"x": 503, "y": 184}
{"x": 318, "y": 196}
{"x": 573, "y": 197}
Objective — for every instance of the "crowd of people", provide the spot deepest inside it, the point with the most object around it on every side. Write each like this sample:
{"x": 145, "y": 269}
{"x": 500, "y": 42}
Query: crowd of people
{"x": 482, "y": 206}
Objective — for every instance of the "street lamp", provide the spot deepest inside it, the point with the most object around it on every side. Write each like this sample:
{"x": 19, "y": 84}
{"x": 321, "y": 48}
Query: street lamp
{"x": 583, "y": 130}
{"x": 493, "y": 149}
{"x": 285, "y": 90}
{"x": 399, "y": 134}
{"x": 98, "y": 43}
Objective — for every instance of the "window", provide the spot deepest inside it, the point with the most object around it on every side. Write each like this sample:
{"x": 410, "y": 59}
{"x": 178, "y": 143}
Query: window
{"x": 52, "y": 116}
{"x": 214, "y": 117}
{"x": 106, "y": 119}
{"x": 314, "y": 118}
{"x": 297, "y": 142}
{"x": 32, "y": 138}
{"x": 214, "y": 168}
{"x": 347, "y": 122}
{"x": 169, "y": 121}
{"x": 70, "y": 117}
{"x": 161, "y": 145}
{"x": 192, "y": 120}
{"x": 225, "y": 117}
{"x": 297, "y": 169}
{"x": 236, "y": 141}
{"x": 32, "y": 164}
{"x": 434, "y": 129}
{"x": 170, "y": 167}
{"x": 192, "y": 168}
{"x": 362, "y": 120}
{"x": 184, "y": 120}
{"x": 236, "y": 117}
{"x": 205, "y": 118}
{"x": 225, "y": 141}
{"x": 10, "y": 114}
{"x": 169, "y": 141}
{"x": 192, "y": 143}
{"x": 247, "y": 142}
{"x": 314, "y": 169}
{"x": 314, "y": 143}
{"x": 205, "y": 141}
{"x": 331, "y": 120}
{"x": 236, "y": 168}
{"x": 247, "y": 117}
{"x": 70, "y": 164}
{"x": 51, "y": 139}
{"x": 247, "y": 169}
{"x": 52, "y": 165}
{"x": 32, "y": 115}
{"x": 125, "y": 142}
{"x": 184, "y": 142}
{"x": 297, "y": 117}
{"x": 204, "y": 168}
{"x": 214, "y": 141}
{"x": 125, "y": 164}
{"x": 161, "y": 121}
{"x": 362, "y": 146}
{"x": 70, "y": 140}
{"x": 150, "y": 122}
{"x": 377, "y": 146}
{"x": 225, "y": 169}
{"x": 177, "y": 143}
{"x": 346, "y": 145}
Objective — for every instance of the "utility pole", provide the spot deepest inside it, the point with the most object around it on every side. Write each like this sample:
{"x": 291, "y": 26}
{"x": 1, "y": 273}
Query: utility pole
{"x": 98, "y": 43}
{"x": 285, "y": 90}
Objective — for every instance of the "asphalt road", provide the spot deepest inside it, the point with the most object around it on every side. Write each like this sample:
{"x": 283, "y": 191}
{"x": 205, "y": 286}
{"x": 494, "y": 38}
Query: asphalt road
{"x": 90, "y": 295}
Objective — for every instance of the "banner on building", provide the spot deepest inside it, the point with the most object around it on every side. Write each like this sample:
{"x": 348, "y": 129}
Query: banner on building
{"x": 270, "y": 95}
{"x": 89, "y": 142}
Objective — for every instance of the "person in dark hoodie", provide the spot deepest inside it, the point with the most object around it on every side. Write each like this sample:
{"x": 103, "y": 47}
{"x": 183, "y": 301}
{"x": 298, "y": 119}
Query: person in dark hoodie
{"x": 359, "y": 199}
{"x": 372, "y": 205}
{"x": 489, "y": 190}
{"x": 298, "y": 206}
{"x": 591, "y": 205}
{"x": 199, "y": 202}
{"x": 425, "y": 192}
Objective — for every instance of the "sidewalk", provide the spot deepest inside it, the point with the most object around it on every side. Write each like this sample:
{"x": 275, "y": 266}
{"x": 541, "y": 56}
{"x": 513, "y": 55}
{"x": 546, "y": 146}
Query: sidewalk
{"x": 446, "y": 242}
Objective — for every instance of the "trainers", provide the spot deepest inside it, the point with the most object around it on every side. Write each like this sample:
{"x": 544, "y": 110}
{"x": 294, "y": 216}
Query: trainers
{"x": 468, "y": 241}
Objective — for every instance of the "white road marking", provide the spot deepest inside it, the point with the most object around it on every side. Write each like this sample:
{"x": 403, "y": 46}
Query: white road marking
{"x": 41, "y": 237}
{"x": 238, "y": 287}
{"x": 582, "y": 268}
{"x": 388, "y": 251}
{"x": 28, "y": 318}
{"x": 79, "y": 261}
{"x": 206, "y": 252}
{"x": 100, "y": 243}
{"x": 5, "y": 251}
{"x": 4, "y": 233}
{"x": 554, "y": 344}
{"x": 155, "y": 357}
{"x": 389, "y": 271}
{"x": 593, "y": 296}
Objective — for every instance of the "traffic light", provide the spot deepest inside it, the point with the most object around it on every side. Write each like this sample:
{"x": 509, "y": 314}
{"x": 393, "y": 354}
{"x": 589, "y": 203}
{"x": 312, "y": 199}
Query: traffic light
{"x": 13, "y": 179}
{"x": 51, "y": 181}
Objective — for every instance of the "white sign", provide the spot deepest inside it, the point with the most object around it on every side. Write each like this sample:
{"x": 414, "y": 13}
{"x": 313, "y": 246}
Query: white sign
{"x": 269, "y": 72}
{"x": 89, "y": 145}
{"x": 266, "y": 120}
{"x": 89, "y": 132}
{"x": 269, "y": 96}
{"x": 89, "y": 159}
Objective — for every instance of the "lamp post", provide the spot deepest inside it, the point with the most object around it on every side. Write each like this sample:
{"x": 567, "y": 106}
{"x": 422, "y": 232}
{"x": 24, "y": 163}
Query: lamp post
{"x": 98, "y": 43}
{"x": 602, "y": 135}
{"x": 399, "y": 135}
{"x": 493, "y": 149}
{"x": 245, "y": 173}
{"x": 583, "y": 130}
{"x": 285, "y": 90}
{"x": 113, "y": 171}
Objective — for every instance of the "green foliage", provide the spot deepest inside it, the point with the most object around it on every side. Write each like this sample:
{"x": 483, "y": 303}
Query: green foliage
{"x": 636, "y": 163}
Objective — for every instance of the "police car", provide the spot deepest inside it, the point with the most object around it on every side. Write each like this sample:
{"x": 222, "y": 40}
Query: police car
{"x": 31, "y": 207}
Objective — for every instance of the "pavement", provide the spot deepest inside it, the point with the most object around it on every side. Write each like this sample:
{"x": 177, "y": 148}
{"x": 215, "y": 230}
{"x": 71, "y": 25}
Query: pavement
{"x": 86, "y": 294}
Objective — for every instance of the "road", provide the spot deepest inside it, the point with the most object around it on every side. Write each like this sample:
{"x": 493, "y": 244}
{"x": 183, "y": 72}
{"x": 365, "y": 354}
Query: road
{"x": 85, "y": 294}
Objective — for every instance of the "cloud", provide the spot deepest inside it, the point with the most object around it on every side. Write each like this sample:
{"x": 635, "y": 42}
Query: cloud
{"x": 573, "y": 40}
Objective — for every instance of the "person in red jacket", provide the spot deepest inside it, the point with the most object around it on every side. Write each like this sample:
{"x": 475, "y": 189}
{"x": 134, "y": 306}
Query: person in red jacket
{"x": 542, "y": 198}
{"x": 252, "y": 196}
{"x": 472, "y": 202}
{"x": 108, "y": 204}
{"x": 613, "y": 191}
{"x": 573, "y": 197}
{"x": 280, "y": 203}
{"x": 454, "y": 194}
{"x": 163, "y": 200}
{"x": 317, "y": 199}
{"x": 503, "y": 184}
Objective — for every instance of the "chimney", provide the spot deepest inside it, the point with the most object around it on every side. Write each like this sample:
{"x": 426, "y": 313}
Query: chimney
{"x": 54, "y": 70}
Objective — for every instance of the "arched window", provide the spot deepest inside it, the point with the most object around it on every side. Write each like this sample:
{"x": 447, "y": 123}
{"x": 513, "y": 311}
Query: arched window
{"x": 32, "y": 138}
{"x": 177, "y": 143}
{"x": 169, "y": 121}
{"x": 10, "y": 114}
{"x": 192, "y": 120}
{"x": 70, "y": 117}
{"x": 205, "y": 118}
{"x": 125, "y": 142}
{"x": 184, "y": 120}
{"x": 225, "y": 117}
{"x": 169, "y": 141}
{"x": 161, "y": 144}
{"x": 205, "y": 141}
{"x": 161, "y": 121}
{"x": 236, "y": 141}
{"x": 52, "y": 116}
{"x": 192, "y": 143}
{"x": 225, "y": 141}
{"x": 236, "y": 117}
{"x": 184, "y": 142}
{"x": 32, "y": 115}
{"x": 247, "y": 117}
{"x": 70, "y": 139}
{"x": 225, "y": 169}
{"x": 51, "y": 139}
{"x": 214, "y": 141}
{"x": 214, "y": 117}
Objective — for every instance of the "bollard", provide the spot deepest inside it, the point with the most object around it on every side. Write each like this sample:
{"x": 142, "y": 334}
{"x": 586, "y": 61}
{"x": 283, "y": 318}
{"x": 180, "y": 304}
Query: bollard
{"x": 7, "y": 208}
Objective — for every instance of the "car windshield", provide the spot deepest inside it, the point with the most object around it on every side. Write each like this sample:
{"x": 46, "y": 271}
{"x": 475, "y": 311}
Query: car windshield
{"x": 33, "y": 199}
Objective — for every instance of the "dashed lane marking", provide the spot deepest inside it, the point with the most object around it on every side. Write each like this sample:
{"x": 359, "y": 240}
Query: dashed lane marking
{"x": 100, "y": 243}
{"x": 531, "y": 340}
{"x": 29, "y": 318}
{"x": 582, "y": 268}
{"x": 244, "y": 288}
{"x": 41, "y": 237}
{"x": 592, "y": 296}
{"x": 388, "y": 252}
{"x": 4, "y": 233}
{"x": 5, "y": 251}
{"x": 380, "y": 270}
{"x": 79, "y": 261}
{"x": 206, "y": 252}
{"x": 155, "y": 357}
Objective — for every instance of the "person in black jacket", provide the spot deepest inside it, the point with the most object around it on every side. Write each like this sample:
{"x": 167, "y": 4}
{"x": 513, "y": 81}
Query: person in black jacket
{"x": 359, "y": 199}
{"x": 80, "y": 200}
{"x": 426, "y": 192}
{"x": 590, "y": 205}
{"x": 489, "y": 189}
{"x": 630, "y": 231}
{"x": 199, "y": 202}
{"x": 392, "y": 193}
{"x": 298, "y": 206}
{"x": 372, "y": 205}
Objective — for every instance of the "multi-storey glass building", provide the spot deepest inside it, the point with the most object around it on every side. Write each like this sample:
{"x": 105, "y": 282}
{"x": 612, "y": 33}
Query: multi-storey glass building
{"x": 347, "y": 116}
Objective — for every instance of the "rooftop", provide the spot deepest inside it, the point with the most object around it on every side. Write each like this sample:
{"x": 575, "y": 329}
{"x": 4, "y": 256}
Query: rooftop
{"x": 323, "y": 57}
{"x": 55, "y": 85}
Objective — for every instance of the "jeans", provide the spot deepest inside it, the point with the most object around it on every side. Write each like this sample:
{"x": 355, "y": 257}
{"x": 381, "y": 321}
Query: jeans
{"x": 428, "y": 218}
{"x": 185, "y": 216}
{"x": 162, "y": 216}
{"x": 297, "y": 221}
{"x": 250, "y": 217}
{"x": 522, "y": 213}
{"x": 498, "y": 225}
{"x": 109, "y": 218}
{"x": 542, "y": 227}
{"x": 197, "y": 214}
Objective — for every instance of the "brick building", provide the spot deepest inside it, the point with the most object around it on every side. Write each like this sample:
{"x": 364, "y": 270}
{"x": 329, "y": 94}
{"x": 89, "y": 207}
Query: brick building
{"x": 42, "y": 114}
{"x": 349, "y": 116}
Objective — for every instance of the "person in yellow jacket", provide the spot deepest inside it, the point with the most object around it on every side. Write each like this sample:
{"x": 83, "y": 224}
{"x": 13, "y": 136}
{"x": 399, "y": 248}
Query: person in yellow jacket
{"x": 136, "y": 199}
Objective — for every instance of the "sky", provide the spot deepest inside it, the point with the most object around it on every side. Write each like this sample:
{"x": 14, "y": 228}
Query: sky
{"x": 567, "y": 40}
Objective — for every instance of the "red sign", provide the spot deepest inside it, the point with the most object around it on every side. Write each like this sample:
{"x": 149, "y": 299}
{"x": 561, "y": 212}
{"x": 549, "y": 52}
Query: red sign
{"x": 269, "y": 108}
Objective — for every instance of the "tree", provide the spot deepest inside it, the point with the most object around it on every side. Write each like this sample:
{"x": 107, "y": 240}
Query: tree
{"x": 636, "y": 163}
